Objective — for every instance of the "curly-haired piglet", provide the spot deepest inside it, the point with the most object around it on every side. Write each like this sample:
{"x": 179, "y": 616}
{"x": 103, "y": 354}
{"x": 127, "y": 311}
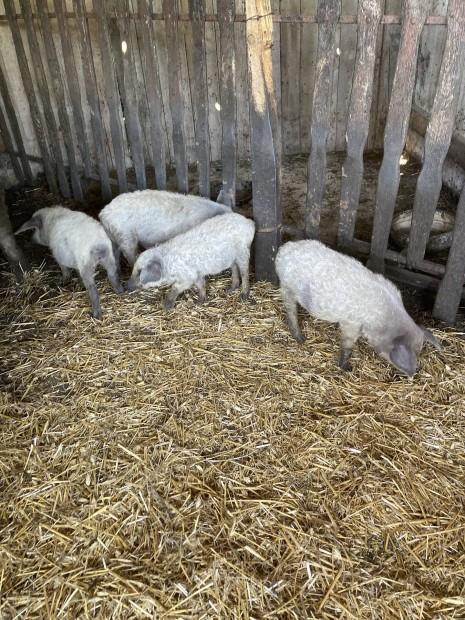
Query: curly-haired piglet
{"x": 219, "y": 243}
{"x": 339, "y": 289}
{"x": 77, "y": 241}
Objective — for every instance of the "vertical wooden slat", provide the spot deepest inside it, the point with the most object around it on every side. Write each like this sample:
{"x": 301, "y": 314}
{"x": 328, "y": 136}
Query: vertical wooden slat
{"x": 73, "y": 87}
{"x": 14, "y": 142}
{"x": 438, "y": 133}
{"x": 179, "y": 134}
{"x": 263, "y": 120}
{"x": 291, "y": 88}
{"x": 58, "y": 86}
{"x": 328, "y": 15}
{"x": 369, "y": 16}
{"x": 92, "y": 97}
{"x": 202, "y": 130}
{"x": 450, "y": 288}
{"x": 111, "y": 94}
{"x": 346, "y": 72}
{"x": 131, "y": 102}
{"x": 226, "y": 11}
{"x": 44, "y": 93}
{"x": 372, "y": 140}
{"x": 154, "y": 96}
{"x": 308, "y": 55}
{"x": 36, "y": 114}
{"x": 414, "y": 16}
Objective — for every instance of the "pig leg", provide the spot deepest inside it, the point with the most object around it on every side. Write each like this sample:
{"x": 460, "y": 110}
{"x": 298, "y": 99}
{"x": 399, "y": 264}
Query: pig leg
{"x": 200, "y": 286}
{"x": 176, "y": 290}
{"x": 235, "y": 278}
{"x": 117, "y": 255}
{"x": 129, "y": 247}
{"x": 65, "y": 273}
{"x": 243, "y": 265}
{"x": 349, "y": 335}
{"x": 110, "y": 267}
{"x": 290, "y": 305}
{"x": 87, "y": 276}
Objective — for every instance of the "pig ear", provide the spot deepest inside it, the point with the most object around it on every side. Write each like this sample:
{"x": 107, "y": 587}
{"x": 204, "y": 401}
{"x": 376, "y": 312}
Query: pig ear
{"x": 152, "y": 271}
{"x": 33, "y": 223}
{"x": 428, "y": 336}
{"x": 224, "y": 199}
{"x": 403, "y": 356}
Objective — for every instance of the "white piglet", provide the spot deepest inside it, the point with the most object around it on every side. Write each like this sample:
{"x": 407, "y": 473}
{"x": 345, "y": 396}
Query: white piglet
{"x": 219, "y": 243}
{"x": 149, "y": 217}
{"x": 339, "y": 289}
{"x": 77, "y": 241}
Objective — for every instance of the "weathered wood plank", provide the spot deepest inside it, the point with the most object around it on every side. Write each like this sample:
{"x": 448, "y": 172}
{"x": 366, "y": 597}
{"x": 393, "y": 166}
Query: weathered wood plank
{"x": 227, "y": 95}
{"x": 359, "y": 117}
{"x": 348, "y": 50}
{"x": 154, "y": 96}
{"x": 395, "y": 133}
{"x": 93, "y": 98}
{"x": 439, "y": 133}
{"x": 308, "y": 56}
{"x": 291, "y": 87}
{"x": 328, "y": 15}
{"x": 266, "y": 200}
{"x": 241, "y": 87}
{"x": 450, "y": 289}
{"x": 18, "y": 157}
{"x": 46, "y": 99}
{"x": 131, "y": 102}
{"x": 60, "y": 97}
{"x": 73, "y": 88}
{"x": 202, "y": 130}
{"x": 36, "y": 113}
{"x": 110, "y": 87}
{"x": 179, "y": 133}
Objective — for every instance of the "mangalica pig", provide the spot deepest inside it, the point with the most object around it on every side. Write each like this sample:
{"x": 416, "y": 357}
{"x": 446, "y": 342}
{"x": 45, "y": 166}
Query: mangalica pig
{"x": 77, "y": 241}
{"x": 143, "y": 219}
{"x": 219, "y": 243}
{"x": 339, "y": 289}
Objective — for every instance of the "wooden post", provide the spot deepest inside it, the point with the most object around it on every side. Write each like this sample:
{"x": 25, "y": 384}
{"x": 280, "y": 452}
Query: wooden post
{"x": 110, "y": 87}
{"x": 439, "y": 133}
{"x": 36, "y": 114}
{"x": 131, "y": 94}
{"x": 93, "y": 98}
{"x": 202, "y": 130}
{"x": 154, "y": 96}
{"x": 47, "y": 101}
{"x": 415, "y": 12}
{"x": 264, "y": 138}
{"x": 359, "y": 117}
{"x": 226, "y": 14}
{"x": 450, "y": 289}
{"x": 170, "y": 14}
{"x": 58, "y": 85}
{"x": 328, "y": 16}
{"x": 73, "y": 87}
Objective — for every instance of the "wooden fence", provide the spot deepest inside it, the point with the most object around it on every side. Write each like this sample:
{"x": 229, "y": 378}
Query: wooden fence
{"x": 118, "y": 84}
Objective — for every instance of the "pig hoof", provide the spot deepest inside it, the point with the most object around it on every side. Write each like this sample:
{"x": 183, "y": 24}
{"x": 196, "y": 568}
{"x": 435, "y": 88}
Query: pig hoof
{"x": 168, "y": 303}
{"x": 299, "y": 338}
{"x": 346, "y": 366}
{"x": 96, "y": 315}
{"x": 231, "y": 289}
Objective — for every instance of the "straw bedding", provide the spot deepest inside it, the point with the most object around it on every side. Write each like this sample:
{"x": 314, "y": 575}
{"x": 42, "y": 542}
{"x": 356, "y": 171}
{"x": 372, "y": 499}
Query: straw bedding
{"x": 201, "y": 464}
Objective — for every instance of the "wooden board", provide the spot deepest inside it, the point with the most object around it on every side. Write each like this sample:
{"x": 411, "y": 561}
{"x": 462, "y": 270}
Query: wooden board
{"x": 438, "y": 134}
{"x": 176, "y": 106}
{"x": 396, "y": 130}
{"x": 266, "y": 206}
{"x": 359, "y": 117}
{"x": 328, "y": 15}
{"x": 36, "y": 113}
{"x": 227, "y": 96}
{"x": 200, "y": 96}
